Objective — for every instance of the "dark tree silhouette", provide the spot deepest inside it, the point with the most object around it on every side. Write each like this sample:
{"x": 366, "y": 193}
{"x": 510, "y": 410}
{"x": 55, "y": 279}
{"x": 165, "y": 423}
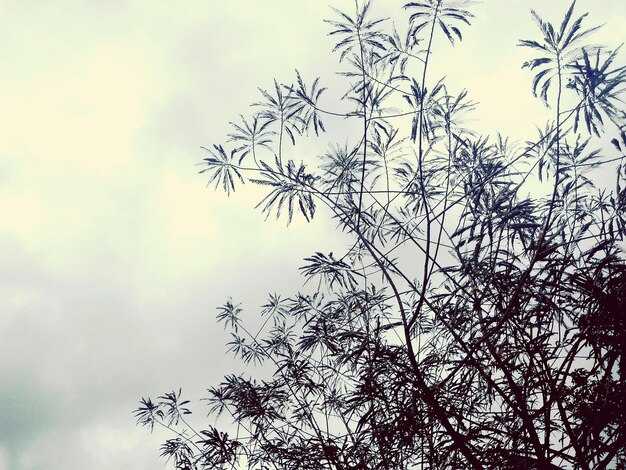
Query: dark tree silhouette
{"x": 469, "y": 325}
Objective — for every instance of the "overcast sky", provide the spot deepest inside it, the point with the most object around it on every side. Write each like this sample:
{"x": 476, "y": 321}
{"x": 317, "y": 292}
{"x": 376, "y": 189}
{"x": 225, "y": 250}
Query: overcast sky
{"x": 113, "y": 255}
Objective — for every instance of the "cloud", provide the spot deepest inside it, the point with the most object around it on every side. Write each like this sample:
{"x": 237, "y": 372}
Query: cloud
{"x": 114, "y": 254}
{"x": 26, "y": 412}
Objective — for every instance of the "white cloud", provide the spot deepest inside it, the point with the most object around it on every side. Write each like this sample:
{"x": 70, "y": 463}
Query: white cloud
{"x": 114, "y": 253}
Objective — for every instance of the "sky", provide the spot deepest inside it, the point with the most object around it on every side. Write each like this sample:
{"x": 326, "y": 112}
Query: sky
{"x": 113, "y": 254}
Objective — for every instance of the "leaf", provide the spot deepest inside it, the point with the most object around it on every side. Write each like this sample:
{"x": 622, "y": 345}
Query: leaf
{"x": 221, "y": 168}
{"x": 288, "y": 185}
{"x": 331, "y": 270}
{"x": 229, "y": 314}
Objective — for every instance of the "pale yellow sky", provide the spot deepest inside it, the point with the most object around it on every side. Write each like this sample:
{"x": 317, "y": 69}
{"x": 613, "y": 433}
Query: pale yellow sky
{"x": 113, "y": 254}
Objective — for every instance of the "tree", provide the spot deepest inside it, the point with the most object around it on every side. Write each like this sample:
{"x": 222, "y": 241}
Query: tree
{"x": 468, "y": 325}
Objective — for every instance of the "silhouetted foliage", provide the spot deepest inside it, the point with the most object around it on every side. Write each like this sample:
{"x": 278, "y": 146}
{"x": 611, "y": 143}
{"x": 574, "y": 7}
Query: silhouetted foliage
{"x": 470, "y": 324}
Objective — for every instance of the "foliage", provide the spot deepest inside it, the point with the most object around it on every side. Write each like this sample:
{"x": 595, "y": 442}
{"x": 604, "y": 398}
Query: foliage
{"x": 469, "y": 325}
